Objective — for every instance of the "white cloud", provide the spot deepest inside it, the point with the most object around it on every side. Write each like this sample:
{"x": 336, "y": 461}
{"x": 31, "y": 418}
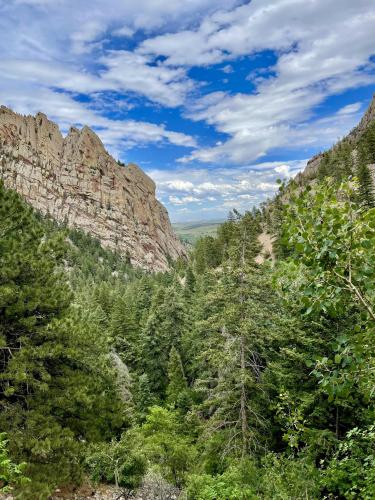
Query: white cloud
{"x": 83, "y": 39}
{"x": 350, "y": 108}
{"x": 125, "y": 32}
{"x": 122, "y": 71}
{"x": 178, "y": 185}
{"x": 64, "y": 44}
{"x": 137, "y": 73}
{"x": 73, "y": 27}
{"x": 53, "y": 51}
{"x": 175, "y": 200}
{"x": 274, "y": 117}
{"x": 215, "y": 191}
{"x": 283, "y": 169}
{"x": 266, "y": 24}
{"x": 316, "y": 58}
{"x": 228, "y": 69}
{"x": 117, "y": 135}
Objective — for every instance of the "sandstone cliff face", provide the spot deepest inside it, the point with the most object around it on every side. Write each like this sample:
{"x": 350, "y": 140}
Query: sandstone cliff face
{"x": 74, "y": 180}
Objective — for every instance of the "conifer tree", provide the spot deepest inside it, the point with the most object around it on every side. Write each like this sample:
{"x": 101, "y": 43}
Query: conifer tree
{"x": 124, "y": 329}
{"x": 164, "y": 328}
{"x": 177, "y": 384}
{"x": 55, "y": 384}
{"x": 190, "y": 281}
{"x": 143, "y": 396}
{"x": 366, "y": 182}
{"x": 32, "y": 291}
{"x": 324, "y": 166}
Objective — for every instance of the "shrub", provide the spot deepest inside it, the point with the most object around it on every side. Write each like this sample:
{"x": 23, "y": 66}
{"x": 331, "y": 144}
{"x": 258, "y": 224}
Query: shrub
{"x": 117, "y": 462}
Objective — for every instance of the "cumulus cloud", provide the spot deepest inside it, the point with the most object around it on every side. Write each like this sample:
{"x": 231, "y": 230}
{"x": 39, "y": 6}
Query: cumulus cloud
{"x": 175, "y": 200}
{"x": 215, "y": 191}
{"x": 134, "y": 72}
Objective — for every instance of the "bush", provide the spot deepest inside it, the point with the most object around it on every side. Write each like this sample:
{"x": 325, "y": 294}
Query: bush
{"x": 284, "y": 478}
{"x": 118, "y": 462}
{"x": 351, "y": 471}
{"x": 239, "y": 481}
{"x": 280, "y": 478}
{"x": 166, "y": 446}
{"x": 10, "y": 473}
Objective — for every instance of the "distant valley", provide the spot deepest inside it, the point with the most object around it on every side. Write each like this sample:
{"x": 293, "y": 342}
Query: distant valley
{"x": 190, "y": 232}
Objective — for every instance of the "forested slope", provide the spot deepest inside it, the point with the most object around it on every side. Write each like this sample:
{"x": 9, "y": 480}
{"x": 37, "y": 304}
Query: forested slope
{"x": 221, "y": 379}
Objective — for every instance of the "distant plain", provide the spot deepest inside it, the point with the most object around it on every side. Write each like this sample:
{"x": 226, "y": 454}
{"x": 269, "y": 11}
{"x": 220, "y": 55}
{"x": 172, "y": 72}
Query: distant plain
{"x": 190, "y": 232}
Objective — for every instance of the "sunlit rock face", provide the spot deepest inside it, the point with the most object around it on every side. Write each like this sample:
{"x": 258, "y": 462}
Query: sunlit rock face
{"x": 74, "y": 180}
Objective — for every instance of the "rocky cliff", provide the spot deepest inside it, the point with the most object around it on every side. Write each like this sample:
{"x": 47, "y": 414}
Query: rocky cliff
{"x": 74, "y": 180}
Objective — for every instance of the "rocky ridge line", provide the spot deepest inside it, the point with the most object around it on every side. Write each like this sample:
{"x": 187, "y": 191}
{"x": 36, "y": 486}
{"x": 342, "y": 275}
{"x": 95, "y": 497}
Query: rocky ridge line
{"x": 74, "y": 180}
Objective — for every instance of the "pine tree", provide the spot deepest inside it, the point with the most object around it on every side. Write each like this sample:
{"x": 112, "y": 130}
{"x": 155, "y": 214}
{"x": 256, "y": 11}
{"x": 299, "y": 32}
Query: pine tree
{"x": 143, "y": 396}
{"x": 55, "y": 384}
{"x": 325, "y": 166}
{"x": 367, "y": 141}
{"x": 164, "y": 329}
{"x": 177, "y": 384}
{"x": 124, "y": 329}
{"x": 32, "y": 291}
{"x": 366, "y": 182}
{"x": 190, "y": 281}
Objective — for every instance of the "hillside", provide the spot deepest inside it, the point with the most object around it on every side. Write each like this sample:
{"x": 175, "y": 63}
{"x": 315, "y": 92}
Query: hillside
{"x": 76, "y": 182}
{"x": 344, "y": 156}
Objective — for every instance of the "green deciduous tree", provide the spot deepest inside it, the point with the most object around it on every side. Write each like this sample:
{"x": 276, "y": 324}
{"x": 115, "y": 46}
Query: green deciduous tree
{"x": 166, "y": 444}
{"x": 335, "y": 239}
{"x": 119, "y": 462}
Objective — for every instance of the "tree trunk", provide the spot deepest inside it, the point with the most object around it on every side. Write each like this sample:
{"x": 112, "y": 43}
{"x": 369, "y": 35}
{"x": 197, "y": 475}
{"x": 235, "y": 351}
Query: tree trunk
{"x": 243, "y": 413}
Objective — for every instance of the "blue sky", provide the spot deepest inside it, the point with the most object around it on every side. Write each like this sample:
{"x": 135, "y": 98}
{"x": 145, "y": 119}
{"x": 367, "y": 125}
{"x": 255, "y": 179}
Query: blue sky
{"x": 215, "y": 100}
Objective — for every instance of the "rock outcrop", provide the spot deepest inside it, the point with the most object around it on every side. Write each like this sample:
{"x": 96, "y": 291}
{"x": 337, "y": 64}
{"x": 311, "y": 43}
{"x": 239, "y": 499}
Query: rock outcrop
{"x": 75, "y": 181}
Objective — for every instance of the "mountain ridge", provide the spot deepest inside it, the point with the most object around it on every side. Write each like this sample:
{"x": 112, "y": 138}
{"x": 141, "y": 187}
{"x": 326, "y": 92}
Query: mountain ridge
{"x": 310, "y": 171}
{"x": 74, "y": 180}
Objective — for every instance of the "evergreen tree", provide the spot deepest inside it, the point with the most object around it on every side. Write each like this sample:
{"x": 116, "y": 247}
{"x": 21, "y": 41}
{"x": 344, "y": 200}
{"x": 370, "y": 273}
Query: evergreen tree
{"x": 143, "y": 396}
{"x": 177, "y": 384}
{"x": 190, "y": 281}
{"x": 124, "y": 329}
{"x": 164, "y": 328}
{"x": 55, "y": 382}
{"x": 236, "y": 358}
{"x": 324, "y": 166}
{"x": 366, "y": 182}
